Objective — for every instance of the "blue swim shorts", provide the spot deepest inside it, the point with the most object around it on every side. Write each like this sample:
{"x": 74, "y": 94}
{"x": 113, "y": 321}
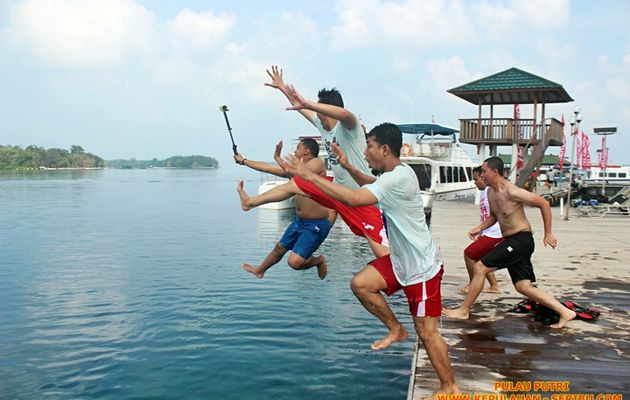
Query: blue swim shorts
{"x": 304, "y": 236}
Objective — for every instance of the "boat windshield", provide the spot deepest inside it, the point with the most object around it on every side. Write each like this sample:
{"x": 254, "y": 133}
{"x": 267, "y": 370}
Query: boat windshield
{"x": 423, "y": 172}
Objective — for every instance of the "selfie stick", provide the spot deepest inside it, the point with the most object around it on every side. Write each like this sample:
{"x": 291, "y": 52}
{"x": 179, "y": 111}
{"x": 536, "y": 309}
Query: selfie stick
{"x": 224, "y": 110}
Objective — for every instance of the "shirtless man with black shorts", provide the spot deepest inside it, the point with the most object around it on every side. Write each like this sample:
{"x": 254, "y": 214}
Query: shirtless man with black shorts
{"x": 514, "y": 253}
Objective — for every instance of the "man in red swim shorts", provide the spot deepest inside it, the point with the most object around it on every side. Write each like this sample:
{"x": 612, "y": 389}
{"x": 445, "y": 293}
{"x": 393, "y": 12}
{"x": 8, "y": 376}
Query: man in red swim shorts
{"x": 488, "y": 239}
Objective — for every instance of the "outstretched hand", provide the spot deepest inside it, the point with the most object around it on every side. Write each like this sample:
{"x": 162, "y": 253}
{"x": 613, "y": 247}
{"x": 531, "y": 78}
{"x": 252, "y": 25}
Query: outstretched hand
{"x": 278, "y": 157}
{"x": 277, "y": 154}
{"x": 297, "y": 101}
{"x": 550, "y": 240}
{"x": 276, "y": 78}
{"x": 295, "y": 166}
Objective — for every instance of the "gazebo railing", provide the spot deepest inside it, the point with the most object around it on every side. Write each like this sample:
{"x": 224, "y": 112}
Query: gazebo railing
{"x": 507, "y": 131}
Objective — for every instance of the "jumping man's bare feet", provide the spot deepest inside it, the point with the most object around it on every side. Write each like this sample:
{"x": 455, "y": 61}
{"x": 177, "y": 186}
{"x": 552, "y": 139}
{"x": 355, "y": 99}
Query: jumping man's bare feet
{"x": 250, "y": 268}
{"x": 244, "y": 197}
{"x": 456, "y": 313}
{"x": 396, "y": 335}
{"x": 565, "y": 317}
{"x": 322, "y": 269}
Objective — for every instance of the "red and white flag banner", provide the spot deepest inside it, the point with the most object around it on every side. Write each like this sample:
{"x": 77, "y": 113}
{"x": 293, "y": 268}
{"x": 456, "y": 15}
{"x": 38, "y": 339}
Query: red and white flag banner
{"x": 563, "y": 149}
{"x": 586, "y": 153}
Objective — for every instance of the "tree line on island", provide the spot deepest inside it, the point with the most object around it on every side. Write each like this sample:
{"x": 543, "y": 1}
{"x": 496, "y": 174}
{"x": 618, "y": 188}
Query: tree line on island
{"x": 35, "y": 157}
{"x": 186, "y": 162}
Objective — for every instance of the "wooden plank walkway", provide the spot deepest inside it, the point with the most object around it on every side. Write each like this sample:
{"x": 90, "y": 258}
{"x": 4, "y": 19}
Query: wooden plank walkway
{"x": 591, "y": 265}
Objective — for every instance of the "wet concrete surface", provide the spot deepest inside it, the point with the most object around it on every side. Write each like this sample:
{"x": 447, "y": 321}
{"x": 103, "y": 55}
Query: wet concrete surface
{"x": 591, "y": 268}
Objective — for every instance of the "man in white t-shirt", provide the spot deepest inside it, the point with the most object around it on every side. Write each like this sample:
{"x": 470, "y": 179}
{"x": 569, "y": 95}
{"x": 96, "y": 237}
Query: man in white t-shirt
{"x": 414, "y": 264}
{"x": 337, "y": 126}
{"x": 487, "y": 241}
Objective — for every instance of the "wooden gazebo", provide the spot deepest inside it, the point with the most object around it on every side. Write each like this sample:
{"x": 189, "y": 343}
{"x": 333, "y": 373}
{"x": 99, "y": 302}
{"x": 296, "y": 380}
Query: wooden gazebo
{"x": 512, "y": 86}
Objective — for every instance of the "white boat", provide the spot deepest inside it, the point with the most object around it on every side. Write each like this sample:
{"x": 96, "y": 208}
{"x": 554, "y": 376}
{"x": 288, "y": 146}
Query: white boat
{"x": 612, "y": 175}
{"x": 443, "y": 168}
{"x": 280, "y": 205}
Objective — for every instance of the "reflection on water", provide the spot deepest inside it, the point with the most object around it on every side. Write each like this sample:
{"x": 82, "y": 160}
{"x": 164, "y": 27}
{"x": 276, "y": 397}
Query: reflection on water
{"x": 127, "y": 284}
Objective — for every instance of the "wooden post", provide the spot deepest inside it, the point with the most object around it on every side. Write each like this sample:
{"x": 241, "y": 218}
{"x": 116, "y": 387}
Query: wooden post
{"x": 479, "y": 131}
{"x": 491, "y": 117}
{"x": 534, "y": 131}
{"x": 542, "y": 121}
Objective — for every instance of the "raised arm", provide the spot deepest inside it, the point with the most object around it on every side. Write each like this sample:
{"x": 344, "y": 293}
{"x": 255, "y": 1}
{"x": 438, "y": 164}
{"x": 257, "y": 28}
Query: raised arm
{"x": 348, "y": 119}
{"x": 534, "y": 200}
{"x": 277, "y": 82}
{"x": 261, "y": 166}
{"x": 358, "y": 176}
{"x": 354, "y": 198}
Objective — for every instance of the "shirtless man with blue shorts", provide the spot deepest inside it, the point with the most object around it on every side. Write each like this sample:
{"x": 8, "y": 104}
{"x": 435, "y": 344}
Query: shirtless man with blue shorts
{"x": 310, "y": 225}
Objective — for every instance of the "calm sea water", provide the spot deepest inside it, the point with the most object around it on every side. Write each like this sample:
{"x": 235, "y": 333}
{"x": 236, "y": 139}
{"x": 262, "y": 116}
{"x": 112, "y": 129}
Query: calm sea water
{"x": 127, "y": 284}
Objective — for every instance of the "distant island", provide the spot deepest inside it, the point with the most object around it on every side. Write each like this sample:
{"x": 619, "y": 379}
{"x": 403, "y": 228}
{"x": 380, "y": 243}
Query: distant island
{"x": 35, "y": 157}
{"x": 185, "y": 162}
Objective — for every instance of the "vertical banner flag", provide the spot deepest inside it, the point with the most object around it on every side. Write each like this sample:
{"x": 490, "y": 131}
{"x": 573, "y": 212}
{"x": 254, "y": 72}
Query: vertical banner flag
{"x": 586, "y": 152}
{"x": 519, "y": 135}
{"x": 563, "y": 149}
{"x": 603, "y": 158}
{"x": 578, "y": 145}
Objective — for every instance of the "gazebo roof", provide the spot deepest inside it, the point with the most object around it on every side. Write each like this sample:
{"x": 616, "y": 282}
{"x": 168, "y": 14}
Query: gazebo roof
{"x": 512, "y": 86}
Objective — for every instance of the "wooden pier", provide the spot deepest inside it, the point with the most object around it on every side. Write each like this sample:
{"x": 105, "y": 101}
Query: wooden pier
{"x": 590, "y": 265}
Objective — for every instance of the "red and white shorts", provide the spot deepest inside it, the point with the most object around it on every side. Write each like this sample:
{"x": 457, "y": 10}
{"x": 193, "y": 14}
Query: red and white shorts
{"x": 480, "y": 247}
{"x": 424, "y": 298}
{"x": 363, "y": 221}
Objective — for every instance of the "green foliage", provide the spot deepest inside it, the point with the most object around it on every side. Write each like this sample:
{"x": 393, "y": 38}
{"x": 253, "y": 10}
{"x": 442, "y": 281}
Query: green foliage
{"x": 187, "y": 162}
{"x": 33, "y": 157}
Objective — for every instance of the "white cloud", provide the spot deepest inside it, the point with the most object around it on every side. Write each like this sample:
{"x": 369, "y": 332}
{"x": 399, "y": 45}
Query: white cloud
{"x": 626, "y": 59}
{"x": 619, "y": 88}
{"x": 449, "y": 72}
{"x": 414, "y": 22}
{"x": 442, "y": 22}
{"x": 101, "y": 33}
{"x": 503, "y": 20}
{"x": 199, "y": 30}
{"x": 81, "y": 33}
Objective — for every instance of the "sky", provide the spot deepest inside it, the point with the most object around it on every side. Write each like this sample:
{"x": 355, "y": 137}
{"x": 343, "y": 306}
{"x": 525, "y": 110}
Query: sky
{"x": 145, "y": 78}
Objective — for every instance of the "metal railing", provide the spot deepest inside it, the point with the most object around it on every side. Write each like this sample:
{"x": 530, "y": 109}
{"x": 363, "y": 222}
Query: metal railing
{"x": 508, "y": 131}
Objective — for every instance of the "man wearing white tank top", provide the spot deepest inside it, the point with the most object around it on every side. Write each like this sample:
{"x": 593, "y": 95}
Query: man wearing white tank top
{"x": 488, "y": 239}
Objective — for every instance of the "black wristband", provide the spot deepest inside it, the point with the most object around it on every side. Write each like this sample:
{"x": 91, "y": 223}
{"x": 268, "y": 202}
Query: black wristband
{"x": 243, "y": 162}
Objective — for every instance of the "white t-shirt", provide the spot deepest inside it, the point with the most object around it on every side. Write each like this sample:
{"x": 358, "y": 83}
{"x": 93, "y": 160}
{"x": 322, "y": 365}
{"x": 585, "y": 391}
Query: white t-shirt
{"x": 414, "y": 255}
{"x": 352, "y": 142}
{"x": 484, "y": 207}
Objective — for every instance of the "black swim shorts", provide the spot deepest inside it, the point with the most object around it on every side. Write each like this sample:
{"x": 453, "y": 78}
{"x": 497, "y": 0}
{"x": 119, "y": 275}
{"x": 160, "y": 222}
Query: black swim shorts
{"x": 514, "y": 253}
